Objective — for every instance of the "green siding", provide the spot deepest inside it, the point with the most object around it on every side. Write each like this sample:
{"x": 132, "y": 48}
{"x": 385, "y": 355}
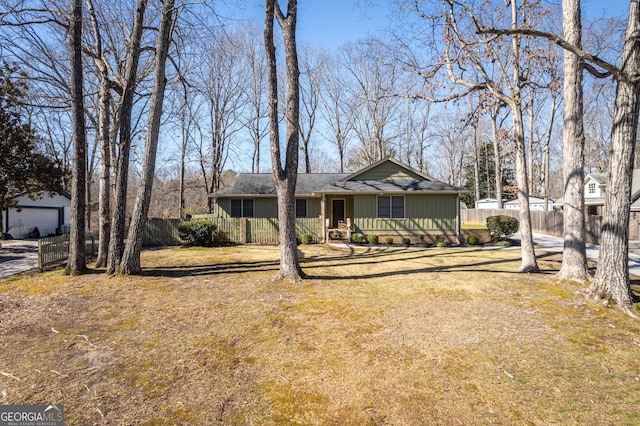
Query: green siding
{"x": 313, "y": 207}
{"x": 262, "y": 207}
{"x": 432, "y": 213}
{"x": 265, "y": 207}
{"x": 388, "y": 171}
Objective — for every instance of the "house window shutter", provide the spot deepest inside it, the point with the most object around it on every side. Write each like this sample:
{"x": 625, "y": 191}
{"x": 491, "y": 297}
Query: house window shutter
{"x": 301, "y": 207}
{"x": 397, "y": 207}
{"x": 384, "y": 206}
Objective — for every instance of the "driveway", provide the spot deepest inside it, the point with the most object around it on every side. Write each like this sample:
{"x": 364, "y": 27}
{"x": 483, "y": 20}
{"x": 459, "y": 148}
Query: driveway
{"x": 556, "y": 244}
{"x": 17, "y": 256}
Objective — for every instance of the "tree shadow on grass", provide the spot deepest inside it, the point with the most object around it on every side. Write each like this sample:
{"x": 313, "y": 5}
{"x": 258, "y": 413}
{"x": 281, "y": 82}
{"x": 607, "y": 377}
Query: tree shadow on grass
{"x": 462, "y": 266}
{"x": 369, "y": 257}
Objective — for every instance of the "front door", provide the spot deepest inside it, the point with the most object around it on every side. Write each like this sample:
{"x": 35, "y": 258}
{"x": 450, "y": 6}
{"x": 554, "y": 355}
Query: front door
{"x": 337, "y": 212}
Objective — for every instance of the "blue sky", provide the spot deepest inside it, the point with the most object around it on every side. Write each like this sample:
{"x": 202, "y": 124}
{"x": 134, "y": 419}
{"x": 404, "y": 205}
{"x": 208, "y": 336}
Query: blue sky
{"x": 331, "y": 23}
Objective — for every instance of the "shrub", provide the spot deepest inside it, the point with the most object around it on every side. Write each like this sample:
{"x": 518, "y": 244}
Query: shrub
{"x": 388, "y": 240}
{"x": 441, "y": 239}
{"x": 500, "y": 226}
{"x": 406, "y": 242}
{"x": 441, "y": 244}
{"x": 358, "y": 238}
{"x": 473, "y": 240}
{"x": 200, "y": 232}
{"x": 504, "y": 243}
{"x": 307, "y": 238}
{"x": 373, "y": 239}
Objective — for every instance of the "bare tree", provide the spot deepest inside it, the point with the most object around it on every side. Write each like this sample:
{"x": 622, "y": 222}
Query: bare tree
{"x": 338, "y": 109}
{"x": 256, "y": 111}
{"x": 373, "y": 85}
{"x": 612, "y": 276}
{"x": 77, "y": 254}
{"x": 493, "y": 64}
{"x": 285, "y": 173}
{"x": 130, "y": 263}
{"x": 311, "y": 74}
{"x": 125, "y": 110}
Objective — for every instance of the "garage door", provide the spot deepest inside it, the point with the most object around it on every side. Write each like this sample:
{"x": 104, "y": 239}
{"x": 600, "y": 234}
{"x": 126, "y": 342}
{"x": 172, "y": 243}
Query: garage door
{"x": 22, "y": 222}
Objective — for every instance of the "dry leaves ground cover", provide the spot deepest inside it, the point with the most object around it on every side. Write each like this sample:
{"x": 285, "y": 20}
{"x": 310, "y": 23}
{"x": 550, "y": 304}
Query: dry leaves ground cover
{"x": 399, "y": 337}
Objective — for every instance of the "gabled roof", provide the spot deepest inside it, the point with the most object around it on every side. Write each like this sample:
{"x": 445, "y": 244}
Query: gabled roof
{"x": 354, "y": 176}
{"x": 385, "y": 176}
{"x": 600, "y": 178}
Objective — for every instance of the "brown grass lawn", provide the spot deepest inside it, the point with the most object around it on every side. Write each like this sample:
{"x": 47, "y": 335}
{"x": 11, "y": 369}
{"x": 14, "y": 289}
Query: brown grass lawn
{"x": 390, "y": 337}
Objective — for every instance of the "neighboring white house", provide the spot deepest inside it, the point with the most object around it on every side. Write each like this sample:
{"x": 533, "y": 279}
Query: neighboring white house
{"x": 535, "y": 203}
{"x": 50, "y": 214}
{"x": 488, "y": 203}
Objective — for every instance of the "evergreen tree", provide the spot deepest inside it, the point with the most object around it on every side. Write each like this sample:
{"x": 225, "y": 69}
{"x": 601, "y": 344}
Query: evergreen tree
{"x": 23, "y": 167}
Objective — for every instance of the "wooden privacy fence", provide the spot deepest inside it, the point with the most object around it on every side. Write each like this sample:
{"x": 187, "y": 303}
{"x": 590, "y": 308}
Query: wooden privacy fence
{"x": 55, "y": 250}
{"x": 161, "y": 232}
{"x": 257, "y": 230}
{"x": 550, "y": 223}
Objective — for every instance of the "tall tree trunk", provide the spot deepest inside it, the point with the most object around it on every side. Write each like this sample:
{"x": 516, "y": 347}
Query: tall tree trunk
{"x": 574, "y": 257}
{"x": 77, "y": 254}
{"x": 130, "y": 263}
{"x": 285, "y": 177}
{"x": 529, "y": 263}
{"x": 118, "y": 216}
{"x": 104, "y": 132}
{"x": 496, "y": 153}
{"x": 612, "y": 276}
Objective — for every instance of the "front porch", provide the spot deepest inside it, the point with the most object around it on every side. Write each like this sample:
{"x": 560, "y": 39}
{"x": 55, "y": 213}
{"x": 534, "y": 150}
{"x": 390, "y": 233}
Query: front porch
{"x": 336, "y": 213}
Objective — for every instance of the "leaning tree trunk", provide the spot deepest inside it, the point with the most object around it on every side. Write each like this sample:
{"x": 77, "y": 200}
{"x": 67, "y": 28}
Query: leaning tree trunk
{"x": 77, "y": 255}
{"x": 285, "y": 178}
{"x": 130, "y": 263}
{"x": 104, "y": 131}
{"x": 118, "y": 215}
{"x": 574, "y": 256}
{"x": 612, "y": 276}
{"x": 496, "y": 153}
{"x": 529, "y": 263}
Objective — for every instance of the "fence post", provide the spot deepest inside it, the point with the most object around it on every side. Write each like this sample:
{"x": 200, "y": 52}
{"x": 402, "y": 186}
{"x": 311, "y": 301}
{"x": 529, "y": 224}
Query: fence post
{"x": 244, "y": 235}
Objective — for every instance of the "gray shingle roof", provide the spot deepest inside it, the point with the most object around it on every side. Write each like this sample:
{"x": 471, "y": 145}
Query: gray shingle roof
{"x": 391, "y": 186}
{"x": 263, "y": 184}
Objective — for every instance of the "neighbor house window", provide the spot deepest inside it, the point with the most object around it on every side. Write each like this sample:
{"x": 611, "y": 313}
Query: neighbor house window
{"x": 391, "y": 206}
{"x": 592, "y": 188}
{"x": 241, "y": 207}
{"x": 301, "y": 207}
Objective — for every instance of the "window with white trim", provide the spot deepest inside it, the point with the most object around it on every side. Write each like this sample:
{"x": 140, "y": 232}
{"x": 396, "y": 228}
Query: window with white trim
{"x": 241, "y": 207}
{"x": 391, "y": 206}
{"x": 592, "y": 188}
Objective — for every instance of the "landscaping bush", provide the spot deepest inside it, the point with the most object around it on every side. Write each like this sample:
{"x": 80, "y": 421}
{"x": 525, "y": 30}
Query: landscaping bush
{"x": 406, "y": 242}
{"x": 472, "y": 240}
{"x": 441, "y": 244}
{"x": 502, "y": 226}
{"x": 358, "y": 238}
{"x": 307, "y": 238}
{"x": 200, "y": 232}
{"x": 373, "y": 239}
{"x": 441, "y": 239}
{"x": 388, "y": 240}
